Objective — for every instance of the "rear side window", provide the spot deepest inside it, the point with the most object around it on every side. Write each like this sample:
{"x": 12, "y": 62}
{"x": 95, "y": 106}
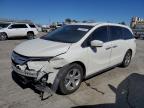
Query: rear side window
{"x": 32, "y": 25}
{"x": 127, "y": 34}
{"x": 115, "y": 33}
{"x": 18, "y": 26}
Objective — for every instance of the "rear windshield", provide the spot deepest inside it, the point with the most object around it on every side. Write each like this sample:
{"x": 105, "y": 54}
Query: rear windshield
{"x": 68, "y": 33}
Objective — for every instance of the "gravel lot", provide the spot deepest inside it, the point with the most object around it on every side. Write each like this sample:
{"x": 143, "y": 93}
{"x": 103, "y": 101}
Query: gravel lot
{"x": 116, "y": 88}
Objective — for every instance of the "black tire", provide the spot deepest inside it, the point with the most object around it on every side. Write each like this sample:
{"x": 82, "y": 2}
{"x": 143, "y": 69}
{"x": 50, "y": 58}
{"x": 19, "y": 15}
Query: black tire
{"x": 64, "y": 81}
{"x": 30, "y": 35}
{"x": 3, "y": 36}
{"x": 127, "y": 59}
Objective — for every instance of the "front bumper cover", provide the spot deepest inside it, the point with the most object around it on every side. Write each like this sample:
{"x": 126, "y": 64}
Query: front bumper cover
{"x": 45, "y": 90}
{"x": 25, "y": 72}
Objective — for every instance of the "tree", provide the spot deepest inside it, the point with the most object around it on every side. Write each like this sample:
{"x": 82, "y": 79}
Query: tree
{"x": 123, "y": 23}
{"x": 68, "y": 20}
{"x": 75, "y": 21}
{"x": 84, "y": 21}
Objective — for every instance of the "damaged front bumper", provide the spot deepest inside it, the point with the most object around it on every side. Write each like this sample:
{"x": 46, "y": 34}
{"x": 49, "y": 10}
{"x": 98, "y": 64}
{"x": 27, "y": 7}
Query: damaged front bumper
{"x": 40, "y": 71}
{"x": 35, "y": 71}
{"x": 35, "y": 78}
{"x": 44, "y": 90}
{"x": 26, "y": 73}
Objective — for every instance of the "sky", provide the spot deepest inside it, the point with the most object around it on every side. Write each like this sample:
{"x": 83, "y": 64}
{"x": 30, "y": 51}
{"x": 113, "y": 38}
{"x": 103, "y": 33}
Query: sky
{"x": 48, "y": 11}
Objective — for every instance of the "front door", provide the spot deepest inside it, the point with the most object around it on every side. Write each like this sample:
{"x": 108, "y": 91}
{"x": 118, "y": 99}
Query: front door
{"x": 99, "y": 57}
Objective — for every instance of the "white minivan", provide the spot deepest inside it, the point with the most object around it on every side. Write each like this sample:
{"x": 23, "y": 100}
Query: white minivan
{"x": 66, "y": 56}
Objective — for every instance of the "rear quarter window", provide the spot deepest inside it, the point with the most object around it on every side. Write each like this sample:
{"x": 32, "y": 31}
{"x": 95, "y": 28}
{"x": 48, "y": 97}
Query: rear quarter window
{"x": 32, "y": 25}
{"x": 115, "y": 33}
{"x": 127, "y": 34}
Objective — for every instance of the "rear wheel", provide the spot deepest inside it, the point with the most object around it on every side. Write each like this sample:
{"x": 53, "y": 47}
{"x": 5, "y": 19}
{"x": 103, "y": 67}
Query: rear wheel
{"x": 3, "y": 36}
{"x": 127, "y": 59}
{"x": 30, "y": 35}
{"x": 71, "y": 79}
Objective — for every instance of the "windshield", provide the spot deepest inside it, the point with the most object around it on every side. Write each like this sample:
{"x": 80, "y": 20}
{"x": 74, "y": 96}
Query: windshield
{"x": 68, "y": 34}
{"x": 4, "y": 25}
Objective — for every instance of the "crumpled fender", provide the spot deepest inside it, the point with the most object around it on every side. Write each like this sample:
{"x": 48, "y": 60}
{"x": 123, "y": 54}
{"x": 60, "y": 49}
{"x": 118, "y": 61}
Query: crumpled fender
{"x": 40, "y": 75}
{"x": 58, "y": 78}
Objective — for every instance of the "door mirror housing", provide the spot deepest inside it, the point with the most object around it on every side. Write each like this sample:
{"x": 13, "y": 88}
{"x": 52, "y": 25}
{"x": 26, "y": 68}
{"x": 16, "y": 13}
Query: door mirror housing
{"x": 10, "y": 27}
{"x": 96, "y": 43}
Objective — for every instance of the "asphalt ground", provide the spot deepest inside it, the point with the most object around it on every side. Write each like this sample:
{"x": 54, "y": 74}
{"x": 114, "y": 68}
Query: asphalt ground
{"x": 116, "y": 88}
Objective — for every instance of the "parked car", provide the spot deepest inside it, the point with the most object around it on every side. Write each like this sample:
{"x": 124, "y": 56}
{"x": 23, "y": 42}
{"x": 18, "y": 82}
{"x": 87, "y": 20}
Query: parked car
{"x": 39, "y": 28}
{"x": 8, "y": 30}
{"x": 59, "y": 25}
{"x": 65, "y": 57}
{"x": 45, "y": 29}
{"x": 139, "y": 34}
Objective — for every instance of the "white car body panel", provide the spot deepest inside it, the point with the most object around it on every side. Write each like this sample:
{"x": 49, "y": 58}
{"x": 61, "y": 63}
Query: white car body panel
{"x": 118, "y": 51}
{"x": 18, "y": 31}
{"x": 99, "y": 58}
{"x": 94, "y": 60}
{"x": 41, "y": 48}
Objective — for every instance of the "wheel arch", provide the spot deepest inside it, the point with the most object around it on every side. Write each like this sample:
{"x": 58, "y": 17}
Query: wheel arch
{"x": 55, "y": 85}
{"x": 5, "y": 33}
{"x": 127, "y": 51}
{"x": 30, "y": 32}
{"x": 130, "y": 50}
{"x": 82, "y": 65}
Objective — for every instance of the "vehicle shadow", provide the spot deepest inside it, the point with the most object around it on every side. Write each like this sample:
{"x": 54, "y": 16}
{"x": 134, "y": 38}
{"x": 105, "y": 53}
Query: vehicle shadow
{"x": 22, "y": 85}
{"x": 129, "y": 94}
{"x": 18, "y": 38}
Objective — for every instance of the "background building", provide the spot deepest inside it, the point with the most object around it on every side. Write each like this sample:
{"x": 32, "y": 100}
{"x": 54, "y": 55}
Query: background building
{"x": 137, "y": 22}
{"x": 137, "y": 25}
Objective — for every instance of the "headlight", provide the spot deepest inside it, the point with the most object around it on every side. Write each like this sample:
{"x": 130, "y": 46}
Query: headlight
{"x": 19, "y": 59}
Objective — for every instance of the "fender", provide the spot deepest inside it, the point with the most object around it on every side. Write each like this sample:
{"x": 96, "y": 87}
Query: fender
{"x": 55, "y": 85}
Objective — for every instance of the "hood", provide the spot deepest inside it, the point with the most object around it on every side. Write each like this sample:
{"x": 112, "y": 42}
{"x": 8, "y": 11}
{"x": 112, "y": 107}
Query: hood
{"x": 41, "y": 48}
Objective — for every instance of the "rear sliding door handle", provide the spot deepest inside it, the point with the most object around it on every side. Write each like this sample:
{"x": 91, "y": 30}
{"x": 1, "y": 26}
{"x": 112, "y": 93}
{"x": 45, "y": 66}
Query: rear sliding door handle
{"x": 115, "y": 46}
{"x": 108, "y": 48}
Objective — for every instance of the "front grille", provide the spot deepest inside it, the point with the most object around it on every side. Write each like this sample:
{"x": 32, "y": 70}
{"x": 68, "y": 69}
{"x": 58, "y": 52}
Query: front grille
{"x": 18, "y": 59}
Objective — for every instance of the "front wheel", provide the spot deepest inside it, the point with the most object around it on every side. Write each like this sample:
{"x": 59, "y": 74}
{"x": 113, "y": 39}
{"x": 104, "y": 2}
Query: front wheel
{"x": 3, "y": 36}
{"x": 71, "y": 79}
{"x": 127, "y": 59}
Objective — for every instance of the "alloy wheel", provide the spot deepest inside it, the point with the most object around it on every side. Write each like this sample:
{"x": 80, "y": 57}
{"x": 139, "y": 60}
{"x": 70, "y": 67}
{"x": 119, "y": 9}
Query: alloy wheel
{"x": 72, "y": 79}
{"x": 127, "y": 58}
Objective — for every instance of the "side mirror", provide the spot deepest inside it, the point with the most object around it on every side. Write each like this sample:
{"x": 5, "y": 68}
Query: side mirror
{"x": 96, "y": 43}
{"x": 9, "y": 27}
